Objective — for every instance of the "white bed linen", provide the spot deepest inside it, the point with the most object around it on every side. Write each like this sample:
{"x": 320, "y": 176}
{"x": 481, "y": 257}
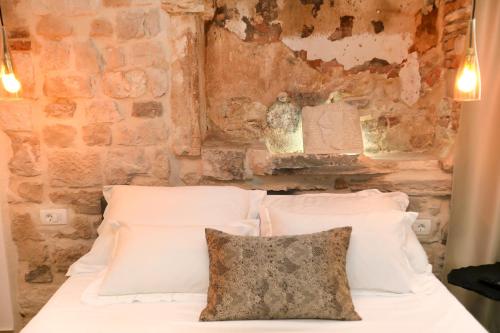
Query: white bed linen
{"x": 426, "y": 312}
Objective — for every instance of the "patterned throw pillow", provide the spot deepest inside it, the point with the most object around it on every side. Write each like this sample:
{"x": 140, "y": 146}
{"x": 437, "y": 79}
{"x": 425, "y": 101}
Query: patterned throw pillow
{"x": 285, "y": 277}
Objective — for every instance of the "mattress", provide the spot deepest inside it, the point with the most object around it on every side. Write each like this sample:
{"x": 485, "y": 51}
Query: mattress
{"x": 432, "y": 310}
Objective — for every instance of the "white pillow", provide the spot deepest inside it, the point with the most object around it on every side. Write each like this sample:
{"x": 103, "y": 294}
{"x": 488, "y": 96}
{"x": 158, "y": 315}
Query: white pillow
{"x": 350, "y": 203}
{"x": 163, "y": 259}
{"x": 366, "y": 201}
{"x": 185, "y": 205}
{"x": 375, "y": 259}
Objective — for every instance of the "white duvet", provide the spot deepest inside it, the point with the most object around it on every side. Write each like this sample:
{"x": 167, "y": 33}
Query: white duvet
{"x": 433, "y": 309}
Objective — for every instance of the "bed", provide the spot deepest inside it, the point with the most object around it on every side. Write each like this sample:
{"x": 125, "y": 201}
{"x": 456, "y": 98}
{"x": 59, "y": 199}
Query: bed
{"x": 433, "y": 310}
{"x": 158, "y": 217}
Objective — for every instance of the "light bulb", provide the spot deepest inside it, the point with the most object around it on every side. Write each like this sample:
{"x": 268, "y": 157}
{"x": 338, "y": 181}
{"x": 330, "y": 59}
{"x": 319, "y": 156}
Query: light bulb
{"x": 468, "y": 79}
{"x": 11, "y": 83}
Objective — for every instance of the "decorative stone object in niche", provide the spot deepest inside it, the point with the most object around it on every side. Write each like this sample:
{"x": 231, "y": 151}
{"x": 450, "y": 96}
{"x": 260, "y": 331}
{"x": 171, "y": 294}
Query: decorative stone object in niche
{"x": 332, "y": 129}
{"x": 284, "y": 126}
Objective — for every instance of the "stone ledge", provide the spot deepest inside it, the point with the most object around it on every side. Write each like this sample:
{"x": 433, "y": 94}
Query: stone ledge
{"x": 254, "y": 166}
{"x": 412, "y": 182}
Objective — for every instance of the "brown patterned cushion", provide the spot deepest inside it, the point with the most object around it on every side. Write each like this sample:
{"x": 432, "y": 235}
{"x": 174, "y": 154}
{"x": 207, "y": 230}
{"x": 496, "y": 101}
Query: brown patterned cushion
{"x": 280, "y": 277}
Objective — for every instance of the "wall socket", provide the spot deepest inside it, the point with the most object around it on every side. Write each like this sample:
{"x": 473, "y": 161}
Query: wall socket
{"x": 422, "y": 226}
{"x": 53, "y": 216}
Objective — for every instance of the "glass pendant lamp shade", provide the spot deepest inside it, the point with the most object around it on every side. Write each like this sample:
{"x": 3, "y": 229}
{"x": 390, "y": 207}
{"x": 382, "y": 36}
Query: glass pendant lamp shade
{"x": 468, "y": 80}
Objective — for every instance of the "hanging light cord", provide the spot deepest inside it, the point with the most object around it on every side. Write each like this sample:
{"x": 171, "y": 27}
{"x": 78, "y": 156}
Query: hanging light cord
{"x": 473, "y": 17}
{"x": 4, "y": 39}
{"x": 1, "y": 16}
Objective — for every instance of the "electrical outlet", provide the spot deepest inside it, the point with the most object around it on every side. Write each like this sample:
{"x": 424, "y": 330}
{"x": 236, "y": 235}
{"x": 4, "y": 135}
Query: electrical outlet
{"x": 53, "y": 216}
{"x": 422, "y": 226}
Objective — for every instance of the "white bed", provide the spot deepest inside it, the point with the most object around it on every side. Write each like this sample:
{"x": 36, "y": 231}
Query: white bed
{"x": 432, "y": 310}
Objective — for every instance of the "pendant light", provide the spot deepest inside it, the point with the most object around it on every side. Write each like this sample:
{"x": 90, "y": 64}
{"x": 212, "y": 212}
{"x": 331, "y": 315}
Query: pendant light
{"x": 468, "y": 79}
{"x": 9, "y": 81}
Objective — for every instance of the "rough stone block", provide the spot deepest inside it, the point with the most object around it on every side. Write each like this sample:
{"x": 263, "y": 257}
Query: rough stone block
{"x": 123, "y": 85}
{"x": 26, "y": 154}
{"x": 123, "y": 164}
{"x": 97, "y": 134}
{"x": 140, "y": 133}
{"x": 23, "y": 228}
{"x": 130, "y": 24}
{"x": 40, "y": 274}
{"x": 61, "y": 136}
{"x": 20, "y": 45}
{"x": 74, "y": 169}
{"x": 64, "y": 8}
{"x": 64, "y": 255}
{"x": 223, "y": 163}
{"x": 461, "y": 14}
{"x": 157, "y": 81}
{"x": 149, "y": 109}
{"x": 30, "y": 191}
{"x": 87, "y": 57}
{"x": 424, "y": 178}
{"x": 147, "y": 53}
{"x": 436, "y": 253}
{"x": 160, "y": 164}
{"x": 152, "y": 22}
{"x": 114, "y": 57}
{"x": 101, "y": 28}
{"x": 103, "y": 111}
{"x": 332, "y": 129}
{"x": 259, "y": 161}
{"x": 190, "y": 170}
{"x": 62, "y": 108}
{"x": 54, "y": 55}
{"x": 33, "y": 252}
{"x": 240, "y": 118}
{"x": 18, "y": 32}
{"x": 68, "y": 86}
{"x": 54, "y": 27}
{"x": 15, "y": 116}
{"x": 455, "y": 27}
{"x": 81, "y": 227}
{"x": 82, "y": 201}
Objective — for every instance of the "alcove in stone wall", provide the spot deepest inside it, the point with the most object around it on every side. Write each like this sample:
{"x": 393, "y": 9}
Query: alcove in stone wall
{"x": 391, "y": 62}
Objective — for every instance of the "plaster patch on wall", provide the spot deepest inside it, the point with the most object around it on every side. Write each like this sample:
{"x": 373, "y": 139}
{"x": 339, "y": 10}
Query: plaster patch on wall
{"x": 235, "y": 22}
{"x": 355, "y": 50}
{"x": 237, "y": 27}
{"x": 409, "y": 76}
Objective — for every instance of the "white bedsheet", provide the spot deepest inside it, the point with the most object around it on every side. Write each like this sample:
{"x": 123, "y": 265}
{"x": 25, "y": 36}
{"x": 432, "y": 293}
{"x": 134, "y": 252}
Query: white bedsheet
{"x": 437, "y": 311}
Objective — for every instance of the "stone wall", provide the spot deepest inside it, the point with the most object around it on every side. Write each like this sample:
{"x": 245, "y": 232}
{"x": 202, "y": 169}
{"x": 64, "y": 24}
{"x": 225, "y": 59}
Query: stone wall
{"x": 172, "y": 92}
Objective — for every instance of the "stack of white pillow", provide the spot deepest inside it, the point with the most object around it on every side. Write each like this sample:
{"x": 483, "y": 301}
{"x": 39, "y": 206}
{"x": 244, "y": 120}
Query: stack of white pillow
{"x": 152, "y": 239}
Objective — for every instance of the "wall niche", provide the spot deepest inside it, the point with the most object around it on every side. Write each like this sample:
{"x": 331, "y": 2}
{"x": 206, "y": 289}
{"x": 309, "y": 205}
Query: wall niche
{"x": 367, "y": 80}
